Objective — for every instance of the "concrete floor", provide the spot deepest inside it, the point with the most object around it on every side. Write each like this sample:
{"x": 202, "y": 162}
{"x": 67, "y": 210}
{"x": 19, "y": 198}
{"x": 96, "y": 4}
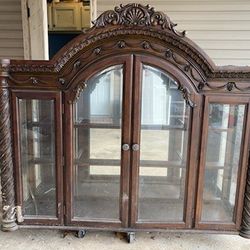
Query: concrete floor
{"x": 37, "y": 239}
{"x": 46, "y": 239}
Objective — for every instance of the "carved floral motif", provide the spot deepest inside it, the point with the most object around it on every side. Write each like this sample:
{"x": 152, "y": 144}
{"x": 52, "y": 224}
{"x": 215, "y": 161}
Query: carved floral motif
{"x": 61, "y": 81}
{"x": 77, "y": 64}
{"x": 229, "y": 86}
{"x": 186, "y": 96}
{"x": 32, "y": 79}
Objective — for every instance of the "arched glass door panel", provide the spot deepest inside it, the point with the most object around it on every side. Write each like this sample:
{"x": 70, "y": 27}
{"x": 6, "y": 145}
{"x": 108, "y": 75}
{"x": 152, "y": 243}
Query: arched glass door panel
{"x": 163, "y": 148}
{"x": 97, "y": 146}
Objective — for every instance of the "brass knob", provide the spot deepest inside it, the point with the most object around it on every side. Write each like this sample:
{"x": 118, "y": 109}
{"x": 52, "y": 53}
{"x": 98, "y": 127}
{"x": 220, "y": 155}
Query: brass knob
{"x": 125, "y": 147}
{"x": 135, "y": 147}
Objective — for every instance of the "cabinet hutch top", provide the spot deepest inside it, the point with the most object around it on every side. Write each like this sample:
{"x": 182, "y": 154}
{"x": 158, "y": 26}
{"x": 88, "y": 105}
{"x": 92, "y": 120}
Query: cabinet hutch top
{"x": 129, "y": 29}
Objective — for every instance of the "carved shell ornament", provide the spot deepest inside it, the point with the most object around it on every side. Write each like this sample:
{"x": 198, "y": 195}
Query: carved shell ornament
{"x": 136, "y": 15}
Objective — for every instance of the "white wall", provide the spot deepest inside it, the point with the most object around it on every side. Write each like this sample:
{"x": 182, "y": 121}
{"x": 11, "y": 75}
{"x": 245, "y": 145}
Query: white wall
{"x": 22, "y": 37}
{"x": 11, "y": 35}
{"x": 220, "y": 27}
{"x": 38, "y": 29}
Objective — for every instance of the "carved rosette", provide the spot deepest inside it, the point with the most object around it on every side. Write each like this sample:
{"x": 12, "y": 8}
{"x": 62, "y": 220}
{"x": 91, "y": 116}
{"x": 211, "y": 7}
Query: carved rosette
{"x": 6, "y": 164}
{"x": 245, "y": 225}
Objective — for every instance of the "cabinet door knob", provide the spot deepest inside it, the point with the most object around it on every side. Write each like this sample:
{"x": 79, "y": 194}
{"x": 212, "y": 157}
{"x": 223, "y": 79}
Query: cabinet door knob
{"x": 135, "y": 147}
{"x": 125, "y": 147}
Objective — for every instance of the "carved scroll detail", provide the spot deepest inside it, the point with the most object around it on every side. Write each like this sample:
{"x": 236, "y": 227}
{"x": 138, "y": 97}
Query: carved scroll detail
{"x": 32, "y": 79}
{"x": 136, "y": 15}
{"x": 245, "y": 224}
{"x": 6, "y": 164}
{"x": 77, "y": 91}
{"x": 186, "y": 96}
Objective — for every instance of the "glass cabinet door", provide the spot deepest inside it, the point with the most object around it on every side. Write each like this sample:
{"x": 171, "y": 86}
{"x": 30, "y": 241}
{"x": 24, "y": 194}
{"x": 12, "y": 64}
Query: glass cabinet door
{"x": 224, "y": 127}
{"x": 40, "y": 155}
{"x": 163, "y": 148}
{"x": 97, "y": 147}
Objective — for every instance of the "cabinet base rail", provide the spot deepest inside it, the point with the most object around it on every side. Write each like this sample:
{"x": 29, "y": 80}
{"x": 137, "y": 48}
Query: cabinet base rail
{"x": 133, "y": 230}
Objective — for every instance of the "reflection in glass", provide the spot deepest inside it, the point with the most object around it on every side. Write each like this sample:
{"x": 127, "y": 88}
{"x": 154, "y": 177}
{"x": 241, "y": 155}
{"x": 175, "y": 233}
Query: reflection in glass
{"x": 164, "y": 138}
{"x": 97, "y": 146}
{"x": 37, "y": 131}
{"x": 222, "y": 161}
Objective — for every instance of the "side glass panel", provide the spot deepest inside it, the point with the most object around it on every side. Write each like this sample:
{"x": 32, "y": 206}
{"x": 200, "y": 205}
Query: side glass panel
{"x": 97, "y": 146}
{"x": 225, "y": 128}
{"x": 37, "y": 142}
{"x": 163, "y": 155}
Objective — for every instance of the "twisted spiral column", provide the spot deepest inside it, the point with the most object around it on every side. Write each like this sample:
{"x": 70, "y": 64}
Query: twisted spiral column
{"x": 6, "y": 164}
{"x": 245, "y": 224}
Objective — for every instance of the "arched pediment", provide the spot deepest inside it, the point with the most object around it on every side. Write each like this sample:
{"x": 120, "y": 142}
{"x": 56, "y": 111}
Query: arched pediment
{"x": 130, "y": 28}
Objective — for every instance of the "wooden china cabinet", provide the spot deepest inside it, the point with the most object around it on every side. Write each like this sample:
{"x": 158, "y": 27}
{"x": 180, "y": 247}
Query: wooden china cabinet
{"x": 129, "y": 127}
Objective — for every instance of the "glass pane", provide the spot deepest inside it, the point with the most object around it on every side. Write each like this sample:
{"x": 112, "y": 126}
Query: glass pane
{"x": 37, "y": 130}
{"x": 222, "y": 161}
{"x": 97, "y": 133}
{"x": 164, "y": 138}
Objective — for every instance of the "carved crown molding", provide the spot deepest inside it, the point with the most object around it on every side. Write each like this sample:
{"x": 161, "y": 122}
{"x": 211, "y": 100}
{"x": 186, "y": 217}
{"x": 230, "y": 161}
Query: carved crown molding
{"x": 168, "y": 38}
{"x": 131, "y": 20}
{"x": 28, "y": 67}
{"x": 136, "y": 15}
{"x": 179, "y": 44}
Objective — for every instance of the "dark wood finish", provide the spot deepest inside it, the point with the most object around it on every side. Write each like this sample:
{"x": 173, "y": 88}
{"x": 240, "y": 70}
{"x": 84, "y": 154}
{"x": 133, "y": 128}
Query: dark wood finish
{"x": 119, "y": 37}
{"x": 245, "y": 227}
{"x": 126, "y": 61}
{"x": 41, "y": 95}
{"x": 135, "y": 158}
{"x": 6, "y": 163}
{"x": 189, "y": 183}
{"x": 243, "y": 222}
{"x": 242, "y": 169}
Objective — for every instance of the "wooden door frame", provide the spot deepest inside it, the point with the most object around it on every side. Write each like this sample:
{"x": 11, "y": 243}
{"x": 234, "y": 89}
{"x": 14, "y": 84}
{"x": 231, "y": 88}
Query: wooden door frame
{"x": 69, "y": 98}
{"x": 242, "y": 167}
{"x": 193, "y": 142}
{"x": 41, "y": 95}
